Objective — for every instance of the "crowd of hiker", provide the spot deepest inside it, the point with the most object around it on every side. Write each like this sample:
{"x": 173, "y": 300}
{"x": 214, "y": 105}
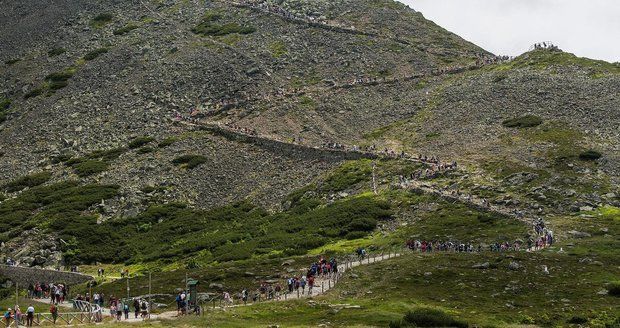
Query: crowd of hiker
{"x": 541, "y": 238}
{"x": 26, "y": 318}
{"x": 55, "y": 292}
{"x": 121, "y": 309}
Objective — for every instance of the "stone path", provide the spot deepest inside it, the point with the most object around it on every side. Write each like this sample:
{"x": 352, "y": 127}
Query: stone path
{"x": 321, "y": 285}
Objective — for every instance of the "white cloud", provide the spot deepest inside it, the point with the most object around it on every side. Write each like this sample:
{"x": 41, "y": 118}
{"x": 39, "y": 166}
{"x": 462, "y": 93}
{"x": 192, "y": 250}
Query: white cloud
{"x": 589, "y": 28}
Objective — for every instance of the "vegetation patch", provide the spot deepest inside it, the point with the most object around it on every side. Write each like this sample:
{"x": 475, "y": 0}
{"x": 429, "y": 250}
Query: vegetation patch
{"x": 590, "y": 155}
{"x": 59, "y": 80}
{"x": 34, "y": 93}
{"x": 95, "y": 53}
{"x": 43, "y": 206}
{"x": 95, "y": 162}
{"x": 527, "y": 121}
{"x": 28, "y": 181}
{"x": 139, "y": 142}
{"x": 545, "y": 59}
{"x": 235, "y": 232}
{"x": 189, "y": 161}
{"x": 126, "y": 29}
{"x": 428, "y": 317}
{"x": 167, "y": 142}
{"x": 210, "y": 26}
{"x": 56, "y": 52}
{"x": 102, "y": 20}
{"x": 89, "y": 167}
{"x": 12, "y": 61}
{"x": 278, "y": 49}
{"x": 614, "y": 288}
{"x": 5, "y": 104}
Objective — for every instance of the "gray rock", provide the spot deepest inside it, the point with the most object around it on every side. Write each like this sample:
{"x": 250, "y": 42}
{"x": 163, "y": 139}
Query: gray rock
{"x": 579, "y": 234}
{"x": 514, "y": 266}
{"x": 216, "y": 285}
{"x": 484, "y": 265}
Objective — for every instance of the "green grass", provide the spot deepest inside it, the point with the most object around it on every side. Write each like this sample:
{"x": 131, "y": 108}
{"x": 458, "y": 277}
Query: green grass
{"x": 95, "y": 53}
{"x": 102, "y": 20}
{"x": 277, "y": 49}
{"x": 28, "y": 181}
{"x": 527, "y": 121}
{"x": 189, "y": 161}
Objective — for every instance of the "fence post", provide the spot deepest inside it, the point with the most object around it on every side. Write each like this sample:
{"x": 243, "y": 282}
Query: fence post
{"x": 322, "y": 286}
{"x": 297, "y": 292}
{"x": 329, "y": 283}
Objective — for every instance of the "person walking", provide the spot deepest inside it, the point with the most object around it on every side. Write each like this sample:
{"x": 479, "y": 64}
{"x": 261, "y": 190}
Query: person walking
{"x": 30, "y": 315}
{"x": 54, "y": 312}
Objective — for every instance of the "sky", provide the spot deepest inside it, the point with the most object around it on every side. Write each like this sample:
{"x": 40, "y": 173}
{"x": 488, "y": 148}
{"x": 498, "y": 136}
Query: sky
{"x": 587, "y": 28}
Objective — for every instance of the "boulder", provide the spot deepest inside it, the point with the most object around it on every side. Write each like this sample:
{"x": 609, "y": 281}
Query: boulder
{"x": 216, "y": 285}
{"x": 484, "y": 265}
{"x": 579, "y": 234}
{"x": 514, "y": 266}
{"x": 288, "y": 262}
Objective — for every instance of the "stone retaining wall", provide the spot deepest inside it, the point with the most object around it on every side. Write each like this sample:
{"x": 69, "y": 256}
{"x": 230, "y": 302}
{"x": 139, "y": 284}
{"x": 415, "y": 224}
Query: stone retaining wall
{"x": 25, "y": 276}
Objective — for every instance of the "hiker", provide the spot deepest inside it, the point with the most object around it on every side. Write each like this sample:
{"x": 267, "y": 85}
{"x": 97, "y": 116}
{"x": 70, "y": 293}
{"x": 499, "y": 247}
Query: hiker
{"x": 8, "y": 316}
{"x": 53, "y": 311}
{"x": 310, "y": 284}
{"x": 119, "y": 312}
{"x": 30, "y": 315}
{"x": 136, "y": 308}
{"x": 227, "y": 299}
{"x": 244, "y": 296}
{"x": 178, "y": 300}
{"x": 18, "y": 315}
{"x": 144, "y": 308}
{"x": 113, "y": 311}
{"x": 126, "y": 310}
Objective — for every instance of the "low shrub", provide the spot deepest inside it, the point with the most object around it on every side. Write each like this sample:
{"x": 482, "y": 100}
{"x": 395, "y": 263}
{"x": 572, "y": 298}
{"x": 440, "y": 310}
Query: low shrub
{"x": 145, "y": 150}
{"x": 34, "y": 92}
{"x": 426, "y": 317}
{"x": 614, "y": 288}
{"x": 190, "y": 161}
{"x": 12, "y": 61}
{"x": 527, "y": 121}
{"x": 208, "y": 27}
{"x": 60, "y": 76}
{"x": 126, "y": 29}
{"x": 56, "y": 52}
{"x": 577, "y": 320}
{"x": 140, "y": 141}
{"x": 89, "y": 167}
{"x": 95, "y": 53}
{"x": 4, "y": 104}
{"x": 167, "y": 142}
{"x": 590, "y": 155}
{"x": 102, "y": 19}
{"x": 28, "y": 181}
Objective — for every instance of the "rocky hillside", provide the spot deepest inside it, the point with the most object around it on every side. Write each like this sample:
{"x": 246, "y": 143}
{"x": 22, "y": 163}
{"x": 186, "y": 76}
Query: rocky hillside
{"x": 97, "y": 95}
